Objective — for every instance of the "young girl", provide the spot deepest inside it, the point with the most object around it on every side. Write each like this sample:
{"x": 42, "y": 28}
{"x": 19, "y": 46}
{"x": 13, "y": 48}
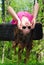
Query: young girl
{"x": 24, "y": 20}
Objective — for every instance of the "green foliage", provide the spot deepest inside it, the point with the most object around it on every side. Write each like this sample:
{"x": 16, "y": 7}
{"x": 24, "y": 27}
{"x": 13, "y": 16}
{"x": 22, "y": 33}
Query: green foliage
{"x": 41, "y": 12}
{"x": 22, "y": 5}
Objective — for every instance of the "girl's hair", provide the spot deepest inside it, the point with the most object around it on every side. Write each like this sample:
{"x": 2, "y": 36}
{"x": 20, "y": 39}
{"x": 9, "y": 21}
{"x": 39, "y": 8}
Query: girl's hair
{"x": 19, "y": 36}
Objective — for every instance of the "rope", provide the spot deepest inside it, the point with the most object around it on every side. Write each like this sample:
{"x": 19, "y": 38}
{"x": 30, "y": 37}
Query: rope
{"x": 35, "y": 1}
{"x": 3, "y": 11}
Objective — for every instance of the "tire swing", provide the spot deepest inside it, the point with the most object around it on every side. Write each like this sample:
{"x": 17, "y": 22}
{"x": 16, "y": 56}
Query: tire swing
{"x": 7, "y": 30}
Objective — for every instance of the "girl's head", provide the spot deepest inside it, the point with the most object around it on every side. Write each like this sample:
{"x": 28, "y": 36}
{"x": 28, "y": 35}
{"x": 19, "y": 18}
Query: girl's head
{"x": 25, "y": 24}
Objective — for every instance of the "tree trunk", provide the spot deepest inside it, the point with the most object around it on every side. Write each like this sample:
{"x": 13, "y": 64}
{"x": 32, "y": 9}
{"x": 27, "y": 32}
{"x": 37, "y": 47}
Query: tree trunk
{"x": 3, "y": 53}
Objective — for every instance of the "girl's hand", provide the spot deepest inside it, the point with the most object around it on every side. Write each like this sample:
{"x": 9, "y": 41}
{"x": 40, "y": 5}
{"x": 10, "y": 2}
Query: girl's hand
{"x": 19, "y": 24}
{"x": 33, "y": 23}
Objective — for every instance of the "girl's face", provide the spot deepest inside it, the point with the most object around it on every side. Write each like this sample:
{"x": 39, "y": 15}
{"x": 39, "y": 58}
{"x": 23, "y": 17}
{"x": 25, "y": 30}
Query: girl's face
{"x": 26, "y": 25}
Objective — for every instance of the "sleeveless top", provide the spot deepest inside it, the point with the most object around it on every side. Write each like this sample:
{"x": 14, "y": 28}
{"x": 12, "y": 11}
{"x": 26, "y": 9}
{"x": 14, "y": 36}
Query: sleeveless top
{"x": 21, "y": 14}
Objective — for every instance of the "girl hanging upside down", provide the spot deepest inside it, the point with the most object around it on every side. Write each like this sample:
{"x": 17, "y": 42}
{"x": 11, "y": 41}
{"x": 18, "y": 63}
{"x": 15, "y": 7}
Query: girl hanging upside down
{"x": 24, "y": 20}
{"x": 25, "y": 23}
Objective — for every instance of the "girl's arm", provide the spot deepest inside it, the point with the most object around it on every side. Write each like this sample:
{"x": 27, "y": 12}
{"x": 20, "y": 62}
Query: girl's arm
{"x": 35, "y": 10}
{"x": 13, "y": 13}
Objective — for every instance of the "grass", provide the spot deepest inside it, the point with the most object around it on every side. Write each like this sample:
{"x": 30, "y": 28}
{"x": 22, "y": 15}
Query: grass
{"x": 11, "y": 62}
